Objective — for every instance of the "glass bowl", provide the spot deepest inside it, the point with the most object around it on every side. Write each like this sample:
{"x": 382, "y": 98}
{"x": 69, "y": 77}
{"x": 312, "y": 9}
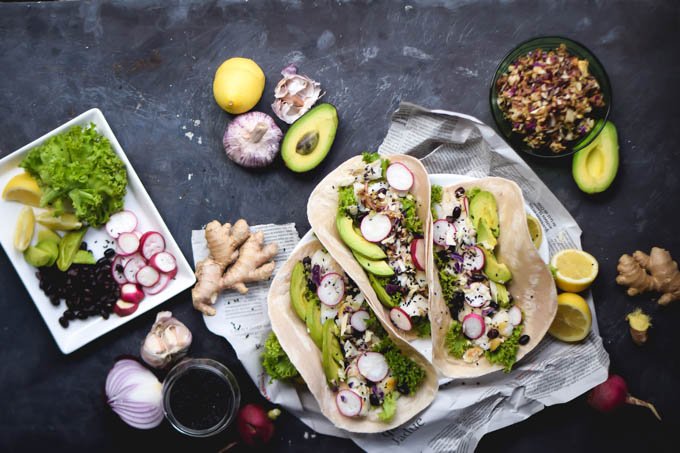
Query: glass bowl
{"x": 595, "y": 68}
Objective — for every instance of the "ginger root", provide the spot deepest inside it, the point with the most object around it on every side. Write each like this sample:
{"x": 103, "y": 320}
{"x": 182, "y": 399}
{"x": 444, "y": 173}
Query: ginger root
{"x": 639, "y": 324}
{"x": 654, "y": 272}
{"x": 233, "y": 246}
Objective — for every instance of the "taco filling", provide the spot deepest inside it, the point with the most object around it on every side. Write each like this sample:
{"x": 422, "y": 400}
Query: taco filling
{"x": 486, "y": 323}
{"x": 363, "y": 367}
{"x": 377, "y": 219}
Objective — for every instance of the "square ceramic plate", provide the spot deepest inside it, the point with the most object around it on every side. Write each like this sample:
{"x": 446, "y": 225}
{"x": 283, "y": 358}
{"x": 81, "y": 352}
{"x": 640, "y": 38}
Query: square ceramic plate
{"x": 137, "y": 200}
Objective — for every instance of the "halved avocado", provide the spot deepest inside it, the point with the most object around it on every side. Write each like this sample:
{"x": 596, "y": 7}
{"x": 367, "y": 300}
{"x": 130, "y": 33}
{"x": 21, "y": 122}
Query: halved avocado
{"x": 594, "y": 167}
{"x": 376, "y": 267}
{"x": 495, "y": 271}
{"x": 309, "y": 139}
{"x": 485, "y": 237}
{"x": 313, "y": 322}
{"x": 380, "y": 291}
{"x": 297, "y": 290}
{"x": 483, "y": 206}
{"x": 332, "y": 359}
{"x": 355, "y": 241}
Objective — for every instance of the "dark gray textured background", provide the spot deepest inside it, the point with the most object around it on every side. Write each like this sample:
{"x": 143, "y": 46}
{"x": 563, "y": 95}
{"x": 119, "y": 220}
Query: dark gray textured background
{"x": 148, "y": 65}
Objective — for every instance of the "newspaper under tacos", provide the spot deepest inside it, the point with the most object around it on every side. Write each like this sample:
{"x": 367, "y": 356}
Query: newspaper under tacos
{"x": 364, "y": 377}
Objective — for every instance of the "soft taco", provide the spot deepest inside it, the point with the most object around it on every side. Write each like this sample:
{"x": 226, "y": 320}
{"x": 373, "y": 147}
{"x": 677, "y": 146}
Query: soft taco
{"x": 493, "y": 298}
{"x": 372, "y": 213}
{"x": 365, "y": 378}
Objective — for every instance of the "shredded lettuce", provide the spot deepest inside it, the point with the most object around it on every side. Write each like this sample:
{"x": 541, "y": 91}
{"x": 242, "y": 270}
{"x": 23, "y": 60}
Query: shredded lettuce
{"x": 374, "y": 325}
{"x": 435, "y": 198}
{"x": 506, "y": 353}
{"x": 408, "y": 373}
{"x": 455, "y": 341}
{"x": 276, "y": 362}
{"x": 369, "y": 157}
{"x": 422, "y": 326}
{"x": 389, "y": 407}
{"x": 411, "y": 220}
{"x": 346, "y": 199}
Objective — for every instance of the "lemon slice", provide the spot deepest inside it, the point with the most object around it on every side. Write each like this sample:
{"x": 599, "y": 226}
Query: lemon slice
{"x": 24, "y": 189}
{"x": 535, "y": 230}
{"x": 64, "y": 222}
{"x": 574, "y": 270}
{"x": 573, "y": 319}
{"x": 23, "y": 233}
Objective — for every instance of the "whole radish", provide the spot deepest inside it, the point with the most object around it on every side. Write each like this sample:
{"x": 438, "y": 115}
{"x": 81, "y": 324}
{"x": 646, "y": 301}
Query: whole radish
{"x": 612, "y": 394}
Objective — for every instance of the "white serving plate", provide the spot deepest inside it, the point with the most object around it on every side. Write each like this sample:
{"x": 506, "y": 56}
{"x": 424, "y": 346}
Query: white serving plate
{"x": 137, "y": 200}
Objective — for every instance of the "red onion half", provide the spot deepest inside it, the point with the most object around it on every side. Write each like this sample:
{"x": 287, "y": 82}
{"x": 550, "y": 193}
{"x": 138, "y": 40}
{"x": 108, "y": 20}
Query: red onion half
{"x": 134, "y": 393}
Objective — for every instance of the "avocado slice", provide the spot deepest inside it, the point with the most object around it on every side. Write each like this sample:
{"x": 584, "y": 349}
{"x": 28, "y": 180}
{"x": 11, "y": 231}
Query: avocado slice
{"x": 594, "y": 167}
{"x": 495, "y": 271}
{"x": 309, "y": 139}
{"x": 485, "y": 237}
{"x": 483, "y": 206}
{"x": 332, "y": 359}
{"x": 48, "y": 235}
{"x": 380, "y": 291}
{"x": 500, "y": 294}
{"x": 298, "y": 285}
{"x": 313, "y": 322}
{"x": 377, "y": 267}
{"x": 355, "y": 241}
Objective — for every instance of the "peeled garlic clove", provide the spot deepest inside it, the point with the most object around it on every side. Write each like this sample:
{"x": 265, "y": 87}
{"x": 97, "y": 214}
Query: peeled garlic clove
{"x": 295, "y": 94}
{"x": 167, "y": 341}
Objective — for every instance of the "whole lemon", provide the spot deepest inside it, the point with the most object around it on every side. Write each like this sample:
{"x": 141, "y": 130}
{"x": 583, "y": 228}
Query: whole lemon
{"x": 238, "y": 85}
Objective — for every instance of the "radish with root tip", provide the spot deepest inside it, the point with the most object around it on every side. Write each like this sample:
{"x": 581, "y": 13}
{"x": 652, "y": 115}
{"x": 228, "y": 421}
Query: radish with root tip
{"x": 473, "y": 326}
{"x": 163, "y": 281}
{"x": 117, "y": 270}
{"x": 123, "y": 308}
{"x": 473, "y": 259}
{"x": 358, "y": 320}
{"x": 444, "y": 233}
{"x": 164, "y": 262}
{"x": 373, "y": 366}
{"x": 134, "y": 264}
{"x": 128, "y": 244}
{"x": 331, "y": 289}
{"x": 147, "y": 276}
{"x": 515, "y": 315}
{"x": 152, "y": 242}
{"x": 121, "y": 222}
{"x": 401, "y": 319}
{"x": 375, "y": 228}
{"x": 399, "y": 176}
{"x": 131, "y": 292}
{"x": 613, "y": 393}
{"x": 349, "y": 403}
{"x": 418, "y": 253}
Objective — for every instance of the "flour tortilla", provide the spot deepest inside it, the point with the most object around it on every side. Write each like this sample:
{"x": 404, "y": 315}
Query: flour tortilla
{"x": 532, "y": 285}
{"x": 322, "y": 208}
{"x": 303, "y": 353}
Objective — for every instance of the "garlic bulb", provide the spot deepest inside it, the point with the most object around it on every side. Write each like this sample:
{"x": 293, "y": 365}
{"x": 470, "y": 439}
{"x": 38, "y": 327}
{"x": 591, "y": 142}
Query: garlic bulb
{"x": 295, "y": 94}
{"x": 167, "y": 341}
{"x": 252, "y": 139}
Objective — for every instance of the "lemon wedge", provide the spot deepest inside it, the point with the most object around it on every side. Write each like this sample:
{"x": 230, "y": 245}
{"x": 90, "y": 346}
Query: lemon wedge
{"x": 23, "y": 233}
{"x": 24, "y": 189}
{"x": 535, "y": 230}
{"x": 574, "y": 270}
{"x": 64, "y": 222}
{"x": 238, "y": 85}
{"x": 573, "y": 319}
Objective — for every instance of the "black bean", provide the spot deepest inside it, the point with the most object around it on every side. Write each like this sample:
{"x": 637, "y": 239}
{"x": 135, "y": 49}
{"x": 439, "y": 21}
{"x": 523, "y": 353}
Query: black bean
{"x": 456, "y": 212}
{"x": 492, "y": 333}
{"x": 83, "y": 245}
{"x": 402, "y": 387}
{"x": 55, "y": 300}
{"x": 494, "y": 305}
{"x": 68, "y": 314}
{"x": 81, "y": 315}
{"x": 104, "y": 314}
{"x": 524, "y": 339}
{"x": 375, "y": 400}
{"x": 64, "y": 322}
{"x": 109, "y": 253}
{"x": 460, "y": 192}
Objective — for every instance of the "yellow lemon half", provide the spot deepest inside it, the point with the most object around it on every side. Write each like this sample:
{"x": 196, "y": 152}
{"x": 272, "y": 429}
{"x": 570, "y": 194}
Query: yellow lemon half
{"x": 573, "y": 319}
{"x": 238, "y": 85}
{"x": 535, "y": 230}
{"x": 24, "y": 189}
{"x": 23, "y": 232}
{"x": 574, "y": 270}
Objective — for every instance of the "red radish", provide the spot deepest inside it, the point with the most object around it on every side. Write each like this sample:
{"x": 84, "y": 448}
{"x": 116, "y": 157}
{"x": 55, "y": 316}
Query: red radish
{"x": 613, "y": 393}
{"x": 375, "y": 228}
{"x": 121, "y": 222}
{"x": 132, "y": 293}
{"x": 349, "y": 403}
{"x": 128, "y": 244}
{"x": 163, "y": 281}
{"x": 117, "y": 270}
{"x": 138, "y": 234}
{"x": 164, "y": 262}
{"x": 358, "y": 320}
{"x": 401, "y": 319}
{"x": 151, "y": 242}
{"x": 473, "y": 259}
{"x": 466, "y": 205}
{"x": 123, "y": 308}
{"x": 444, "y": 233}
{"x": 399, "y": 176}
{"x": 254, "y": 427}
{"x": 473, "y": 326}
{"x": 331, "y": 289}
{"x": 515, "y": 315}
{"x": 373, "y": 366}
{"x": 147, "y": 276}
{"x": 134, "y": 264}
{"x": 418, "y": 253}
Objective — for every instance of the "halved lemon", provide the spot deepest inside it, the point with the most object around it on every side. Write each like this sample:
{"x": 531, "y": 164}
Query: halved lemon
{"x": 24, "y": 189}
{"x": 23, "y": 232}
{"x": 573, "y": 319}
{"x": 64, "y": 222}
{"x": 574, "y": 270}
{"x": 535, "y": 230}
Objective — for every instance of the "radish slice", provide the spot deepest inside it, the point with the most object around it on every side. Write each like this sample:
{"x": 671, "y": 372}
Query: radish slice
{"x": 477, "y": 295}
{"x": 163, "y": 281}
{"x": 473, "y": 326}
{"x": 349, "y": 403}
{"x": 418, "y": 253}
{"x": 401, "y": 319}
{"x": 152, "y": 242}
{"x": 117, "y": 270}
{"x": 138, "y": 234}
{"x": 121, "y": 222}
{"x": 147, "y": 276}
{"x": 473, "y": 259}
{"x": 123, "y": 308}
{"x": 515, "y": 315}
{"x": 132, "y": 293}
{"x": 444, "y": 233}
{"x": 128, "y": 243}
{"x": 466, "y": 205}
{"x": 373, "y": 366}
{"x": 331, "y": 289}
{"x": 399, "y": 176}
{"x": 133, "y": 266}
{"x": 375, "y": 228}
{"x": 164, "y": 262}
{"x": 358, "y": 320}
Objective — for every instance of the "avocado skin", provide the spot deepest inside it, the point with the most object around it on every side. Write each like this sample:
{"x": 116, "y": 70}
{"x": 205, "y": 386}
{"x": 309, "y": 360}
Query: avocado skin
{"x": 356, "y": 242}
{"x": 483, "y": 206}
{"x": 297, "y": 290}
{"x": 380, "y": 291}
{"x": 606, "y": 147}
{"x": 323, "y": 119}
{"x": 495, "y": 271}
{"x": 380, "y": 268}
{"x": 332, "y": 358}
{"x": 313, "y": 322}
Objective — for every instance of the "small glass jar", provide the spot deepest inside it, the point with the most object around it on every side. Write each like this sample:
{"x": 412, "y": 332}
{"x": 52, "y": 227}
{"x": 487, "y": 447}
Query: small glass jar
{"x": 200, "y": 397}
